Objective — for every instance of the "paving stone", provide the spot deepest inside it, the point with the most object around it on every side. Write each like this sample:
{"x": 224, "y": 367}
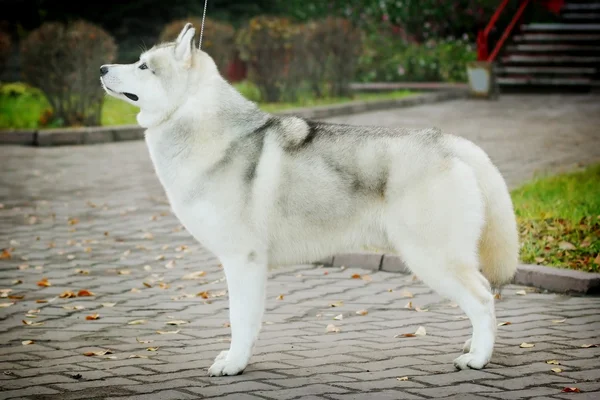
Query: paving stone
{"x": 239, "y": 387}
{"x": 294, "y": 358}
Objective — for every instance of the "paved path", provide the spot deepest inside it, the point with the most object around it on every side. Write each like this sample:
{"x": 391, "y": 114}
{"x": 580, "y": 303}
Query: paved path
{"x": 95, "y": 218}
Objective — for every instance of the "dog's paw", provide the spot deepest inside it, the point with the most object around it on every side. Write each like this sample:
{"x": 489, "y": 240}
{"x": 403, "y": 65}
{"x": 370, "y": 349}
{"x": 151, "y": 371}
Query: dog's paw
{"x": 470, "y": 360}
{"x": 225, "y": 366}
{"x": 467, "y": 346}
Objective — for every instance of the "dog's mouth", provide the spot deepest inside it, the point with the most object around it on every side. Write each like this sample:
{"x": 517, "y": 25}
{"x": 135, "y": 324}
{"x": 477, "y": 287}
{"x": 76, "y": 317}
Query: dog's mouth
{"x": 131, "y": 96}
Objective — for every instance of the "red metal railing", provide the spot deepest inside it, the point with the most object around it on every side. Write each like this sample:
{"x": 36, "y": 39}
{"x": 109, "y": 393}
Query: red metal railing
{"x": 483, "y": 53}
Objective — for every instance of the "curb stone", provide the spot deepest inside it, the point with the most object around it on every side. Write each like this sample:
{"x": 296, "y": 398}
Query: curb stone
{"x": 104, "y": 134}
{"x": 548, "y": 278}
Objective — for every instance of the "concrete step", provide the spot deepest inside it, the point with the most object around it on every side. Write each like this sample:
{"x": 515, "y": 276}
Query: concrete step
{"x": 549, "y": 59}
{"x": 558, "y": 27}
{"x": 557, "y": 37}
{"x": 546, "y": 70}
{"x": 553, "y": 47}
{"x": 581, "y": 16}
{"x": 515, "y": 80}
{"x": 582, "y": 6}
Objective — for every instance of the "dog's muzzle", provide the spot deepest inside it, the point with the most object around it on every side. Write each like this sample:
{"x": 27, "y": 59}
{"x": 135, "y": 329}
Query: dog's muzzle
{"x": 130, "y": 96}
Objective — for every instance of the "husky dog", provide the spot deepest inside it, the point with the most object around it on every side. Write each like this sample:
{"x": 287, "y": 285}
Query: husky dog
{"x": 260, "y": 190}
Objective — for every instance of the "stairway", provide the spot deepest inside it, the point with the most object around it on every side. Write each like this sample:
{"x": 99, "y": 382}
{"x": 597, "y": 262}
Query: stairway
{"x": 559, "y": 56}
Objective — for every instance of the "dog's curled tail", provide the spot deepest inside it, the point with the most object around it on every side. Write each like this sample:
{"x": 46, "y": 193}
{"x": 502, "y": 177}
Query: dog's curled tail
{"x": 499, "y": 242}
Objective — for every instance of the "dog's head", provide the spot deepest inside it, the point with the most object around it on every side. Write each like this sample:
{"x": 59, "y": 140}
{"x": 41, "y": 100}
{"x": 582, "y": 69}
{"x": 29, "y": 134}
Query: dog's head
{"x": 162, "y": 77}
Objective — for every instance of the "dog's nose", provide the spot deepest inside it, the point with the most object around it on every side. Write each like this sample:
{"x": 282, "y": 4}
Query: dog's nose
{"x": 103, "y": 70}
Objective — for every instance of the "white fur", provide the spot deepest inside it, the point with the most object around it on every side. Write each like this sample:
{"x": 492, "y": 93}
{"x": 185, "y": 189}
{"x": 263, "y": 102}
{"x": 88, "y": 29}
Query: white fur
{"x": 446, "y": 209}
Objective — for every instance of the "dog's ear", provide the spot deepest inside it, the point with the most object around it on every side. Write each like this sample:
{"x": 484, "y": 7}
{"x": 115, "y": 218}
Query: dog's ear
{"x": 185, "y": 45}
{"x": 183, "y": 31}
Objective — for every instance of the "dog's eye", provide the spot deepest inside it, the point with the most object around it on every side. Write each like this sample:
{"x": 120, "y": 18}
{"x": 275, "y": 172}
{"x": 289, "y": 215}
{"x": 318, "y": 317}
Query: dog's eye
{"x": 143, "y": 66}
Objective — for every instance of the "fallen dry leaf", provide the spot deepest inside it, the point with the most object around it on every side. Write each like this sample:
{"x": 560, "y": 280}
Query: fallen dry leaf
{"x": 148, "y": 285}
{"x": 31, "y": 323}
{"x": 170, "y": 264}
{"x": 280, "y": 297}
{"x": 163, "y": 285}
{"x": 362, "y": 312}
{"x": 402, "y": 378}
{"x": 135, "y": 290}
{"x": 336, "y": 304}
{"x": 92, "y": 317}
{"x": 571, "y": 390}
{"x": 339, "y": 317}
{"x": 160, "y": 257}
{"x": 419, "y": 309}
{"x": 556, "y": 370}
{"x": 331, "y": 328}
{"x": 152, "y": 348}
{"x": 76, "y": 308}
{"x": 137, "y": 322}
{"x": 143, "y": 341}
{"x": 177, "y": 322}
{"x": 587, "y": 346}
{"x": 504, "y": 323}
{"x": 109, "y": 304}
{"x": 82, "y": 271}
{"x": 4, "y": 292}
{"x": 5, "y": 255}
{"x": 85, "y": 293}
{"x": 558, "y": 321}
{"x": 27, "y": 342}
{"x": 355, "y": 276}
{"x": 553, "y": 362}
{"x": 4, "y": 305}
{"x": 204, "y": 295}
{"x": 168, "y": 332}
{"x": 521, "y": 292}
{"x": 137, "y": 356}
{"x": 367, "y": 278}
{"x": 420, "y": 331}
{"x": 227, "y": 325}
{"x": 147, "y": 268}
{"x": 407, "y": 295}
{"x": 41, "y": 301}
{"x": 526, "y": 345}
{"x": 44, "y": 283}
{"x": 498, "y": 296}
{"x": 124, "y": 272}
{"x": 405, "y": 335}
{"x": 16, "y": 296}
{"x": 23, "y": 267}
{"x": 17, "y": 282}
{"x": 97, "y": 353}
{"x": 148, "y": 236}
{"x": 566, "y": 246}
{"x": 67, "y": 294}
{"x": 73, "y": 221}
{"x": 409, "y": 305}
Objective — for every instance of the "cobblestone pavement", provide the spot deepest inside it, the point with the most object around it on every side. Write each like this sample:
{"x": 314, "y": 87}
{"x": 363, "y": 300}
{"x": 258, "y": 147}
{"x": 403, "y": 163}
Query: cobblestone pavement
{"x": 94, "y": 218}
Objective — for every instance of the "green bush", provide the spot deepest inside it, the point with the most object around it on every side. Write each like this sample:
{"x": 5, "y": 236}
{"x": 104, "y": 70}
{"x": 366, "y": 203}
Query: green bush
{"x": 62, "y": 61}
{"x": 392, "y": 59}
{"x": 332, "y": 48}
{"x": 269, "y": 45}
{"x": 217, "y": 39}
{"x": 5, "y": 49}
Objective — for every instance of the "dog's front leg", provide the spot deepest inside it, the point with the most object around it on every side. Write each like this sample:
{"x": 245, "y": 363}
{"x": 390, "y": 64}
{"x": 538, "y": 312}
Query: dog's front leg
{"x": 246, "y": 281}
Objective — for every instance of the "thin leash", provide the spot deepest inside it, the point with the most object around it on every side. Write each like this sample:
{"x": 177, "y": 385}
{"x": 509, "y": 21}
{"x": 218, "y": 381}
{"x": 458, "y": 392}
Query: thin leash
{"x": 202, "y": 26}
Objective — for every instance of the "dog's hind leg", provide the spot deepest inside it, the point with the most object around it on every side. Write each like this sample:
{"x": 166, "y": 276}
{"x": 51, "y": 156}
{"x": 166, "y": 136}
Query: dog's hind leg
{"x": 435, "y": 226}
{"x": 460, "y": 281}
{"x": 246, "y": 282}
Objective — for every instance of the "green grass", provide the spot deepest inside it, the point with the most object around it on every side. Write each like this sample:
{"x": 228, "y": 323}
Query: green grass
{"x": 23, "y": 108}
{"x": 274, "y": 107}
{"x": 559, "y": 220}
